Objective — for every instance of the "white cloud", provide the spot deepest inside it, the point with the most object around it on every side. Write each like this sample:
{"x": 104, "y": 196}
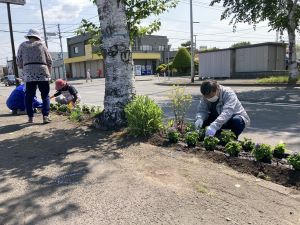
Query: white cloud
{"x": 65, "y": 10}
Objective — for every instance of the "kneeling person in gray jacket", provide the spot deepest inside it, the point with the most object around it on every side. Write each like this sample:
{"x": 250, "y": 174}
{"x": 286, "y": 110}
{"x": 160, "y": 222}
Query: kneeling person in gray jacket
{"x": 219, "y": 108}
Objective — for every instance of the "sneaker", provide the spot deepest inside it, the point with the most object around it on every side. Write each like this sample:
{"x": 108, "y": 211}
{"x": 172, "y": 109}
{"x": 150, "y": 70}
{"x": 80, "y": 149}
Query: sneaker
{"x": 46, "y": 119}
{"x": 30, "y": 120}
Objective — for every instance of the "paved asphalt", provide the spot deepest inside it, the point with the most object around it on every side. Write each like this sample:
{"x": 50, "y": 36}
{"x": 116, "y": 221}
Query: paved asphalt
{"x": 274, "y": 111}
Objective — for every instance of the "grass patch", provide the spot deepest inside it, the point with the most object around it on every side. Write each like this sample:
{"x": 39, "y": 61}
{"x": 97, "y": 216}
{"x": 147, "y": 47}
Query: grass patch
{"x": 201, "y": 189}
{"x": 275, "y": 80}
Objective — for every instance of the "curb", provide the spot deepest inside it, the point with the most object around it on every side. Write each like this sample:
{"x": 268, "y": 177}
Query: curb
{"x": 234, "y": 84}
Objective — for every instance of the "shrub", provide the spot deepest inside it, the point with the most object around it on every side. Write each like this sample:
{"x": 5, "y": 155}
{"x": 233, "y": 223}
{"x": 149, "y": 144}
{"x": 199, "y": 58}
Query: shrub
{"x": 248, "y": 145}
{"x": 210, "y": 143}
{"x": 294, "y": 160}
{"x": 181, "y": 102}
{"x": 173, "y": 135}
{"x": 191, "y": 138}
{"x": 182, "y": 60}
{"x": 144, "y": 116}
{"x": 279, "y": 150}
{"x": 263, "y": 153}
{"x": 201, "y": 134}
{"x": 227, "y": 136}
{"x": 76, "y": 115}
{"x": 161, "y": 68}
{"x": 233, "y": 148}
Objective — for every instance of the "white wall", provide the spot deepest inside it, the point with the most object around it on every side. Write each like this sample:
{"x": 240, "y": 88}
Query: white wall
{"x": 253, "y": 59}
{"x": 215, "y": 64}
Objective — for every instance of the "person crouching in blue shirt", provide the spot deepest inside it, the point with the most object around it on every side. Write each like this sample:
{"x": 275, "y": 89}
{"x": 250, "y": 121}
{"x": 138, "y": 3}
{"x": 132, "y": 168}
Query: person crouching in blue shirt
{"x": 16, "y": 101}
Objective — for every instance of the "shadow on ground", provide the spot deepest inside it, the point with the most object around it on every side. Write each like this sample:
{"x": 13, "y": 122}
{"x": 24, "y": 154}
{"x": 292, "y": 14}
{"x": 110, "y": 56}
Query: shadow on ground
{"x": 24, "y": 157}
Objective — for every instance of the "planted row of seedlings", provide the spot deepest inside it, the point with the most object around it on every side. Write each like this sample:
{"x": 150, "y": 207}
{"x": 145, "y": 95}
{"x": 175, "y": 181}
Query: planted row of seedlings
{"x": 227, "y": 142}
{"x": 78, "y": 113}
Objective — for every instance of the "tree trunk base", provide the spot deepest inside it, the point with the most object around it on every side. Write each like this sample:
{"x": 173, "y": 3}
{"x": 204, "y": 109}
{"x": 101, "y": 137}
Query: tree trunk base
{"x": 108, "y": 123}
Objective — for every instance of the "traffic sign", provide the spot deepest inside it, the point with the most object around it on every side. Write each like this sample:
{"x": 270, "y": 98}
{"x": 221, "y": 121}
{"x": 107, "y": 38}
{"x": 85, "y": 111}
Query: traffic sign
{"x": 17, "y": 2}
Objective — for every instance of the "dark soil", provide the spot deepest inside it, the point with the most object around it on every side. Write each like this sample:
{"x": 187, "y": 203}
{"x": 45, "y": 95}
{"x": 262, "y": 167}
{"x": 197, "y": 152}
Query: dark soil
{"x": 278, "y": 171}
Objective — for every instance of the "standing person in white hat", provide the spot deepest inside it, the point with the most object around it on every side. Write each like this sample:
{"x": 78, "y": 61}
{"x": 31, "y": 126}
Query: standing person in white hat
{"x": 33, "y": 57}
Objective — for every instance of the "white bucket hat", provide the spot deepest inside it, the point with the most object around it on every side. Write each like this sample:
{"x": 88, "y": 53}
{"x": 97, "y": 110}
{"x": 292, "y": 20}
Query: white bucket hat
{"x": 33, "y": 33}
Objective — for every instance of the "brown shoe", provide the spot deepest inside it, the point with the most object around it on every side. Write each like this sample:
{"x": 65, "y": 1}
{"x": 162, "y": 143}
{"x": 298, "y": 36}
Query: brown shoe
{"x": 46, "y": 119}
{"x": 30, "y": 119}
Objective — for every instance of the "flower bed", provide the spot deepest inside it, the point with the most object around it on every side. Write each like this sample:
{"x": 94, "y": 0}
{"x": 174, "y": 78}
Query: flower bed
{"x": 277, "y": 170}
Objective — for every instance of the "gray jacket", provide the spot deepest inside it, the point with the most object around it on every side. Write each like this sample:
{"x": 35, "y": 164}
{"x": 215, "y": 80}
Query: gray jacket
{"x": 35, "y": 60}
{"x": 227, "y": 106}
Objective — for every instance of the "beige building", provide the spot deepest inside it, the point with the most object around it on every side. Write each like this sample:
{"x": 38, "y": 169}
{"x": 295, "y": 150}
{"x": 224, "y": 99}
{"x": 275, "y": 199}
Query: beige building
{"x": 250, "y": 61}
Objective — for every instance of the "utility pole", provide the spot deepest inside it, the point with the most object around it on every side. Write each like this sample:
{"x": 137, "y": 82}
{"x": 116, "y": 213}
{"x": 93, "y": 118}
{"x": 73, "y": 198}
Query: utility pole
{"x": 192, "y": 41}
{"x": 277, "y": 36}
{"x": 44, "y": 28}
{"x": 62, "y": 52}
{"x": 169, "y": 47}
{"x": 195, "y": 41}
{"x": 16, "y": 72}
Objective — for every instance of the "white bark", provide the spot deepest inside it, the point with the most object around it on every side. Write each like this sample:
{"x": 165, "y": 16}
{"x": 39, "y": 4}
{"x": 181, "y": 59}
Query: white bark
{"x": 293, "y": 70}
{"x": 119, "y": 81}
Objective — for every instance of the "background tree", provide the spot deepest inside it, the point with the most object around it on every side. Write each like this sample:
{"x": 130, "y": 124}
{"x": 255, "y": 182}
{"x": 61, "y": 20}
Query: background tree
{"x": 119, "y": 24}
{"x": 187, "y": 45}
{"x": 282, "y": 15}
{"x": 136, "y": 11}
{"x": 240, "y": 44}
{"x": 182, "y": 61}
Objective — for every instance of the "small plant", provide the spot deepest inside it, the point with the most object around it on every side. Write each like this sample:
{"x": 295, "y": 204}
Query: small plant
{"x": 76, "y": 115}
{"x": 189, "y": 127}
{"x": 263, "y": 153}
{"x": 181, "y": 102}
{"x": 201, "y": 134}
{"x": 63, "y": 108}
{"x": 227, "y": 136}
{"x": 279, "y": 150}
{"x": 248, "y": 145}
{"x": 294, "y": 160}
{"x": 191, "y": 138}
{"x": 86, "y": 110}
{"x": 144, "y": 116}
{"x": 173, "y": 135}
{"x": 233, "y": 148}
{"x": 96, "y": 111}
{"x": 53, "y": 107}
{"x": 210, "y": 143}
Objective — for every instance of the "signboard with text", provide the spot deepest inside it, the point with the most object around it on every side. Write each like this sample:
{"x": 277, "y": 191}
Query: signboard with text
{"x": 17, "y": 2}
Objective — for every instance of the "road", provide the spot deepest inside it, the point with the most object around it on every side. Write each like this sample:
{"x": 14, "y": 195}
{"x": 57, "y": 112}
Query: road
{"x": 274, "y": 112}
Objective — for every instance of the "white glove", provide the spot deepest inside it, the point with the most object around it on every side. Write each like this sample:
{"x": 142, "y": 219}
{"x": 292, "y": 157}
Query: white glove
{"x": 210, "y": 131}
{"x": 198, "y": 124}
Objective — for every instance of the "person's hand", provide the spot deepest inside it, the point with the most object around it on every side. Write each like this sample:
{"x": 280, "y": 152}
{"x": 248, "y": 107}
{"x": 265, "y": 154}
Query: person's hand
{"x": 210, "y": 131}
{"x": 51, "y": 96}
{"x": 198, "y": 124}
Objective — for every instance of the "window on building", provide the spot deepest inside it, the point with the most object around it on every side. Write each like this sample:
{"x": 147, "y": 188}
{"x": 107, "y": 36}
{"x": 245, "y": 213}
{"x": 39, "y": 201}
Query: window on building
{"x": 76, "y": 50}
{"x": 161, "y": 48}
{"x": 146, "y": 48}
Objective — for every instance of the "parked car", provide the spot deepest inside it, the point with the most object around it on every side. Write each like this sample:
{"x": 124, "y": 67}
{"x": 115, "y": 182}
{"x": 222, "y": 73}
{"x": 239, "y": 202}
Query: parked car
{"x": 9, "y": 80}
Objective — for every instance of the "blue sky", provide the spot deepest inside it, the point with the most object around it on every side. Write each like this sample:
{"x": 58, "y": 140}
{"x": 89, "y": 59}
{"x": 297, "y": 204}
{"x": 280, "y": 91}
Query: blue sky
{"x": 210, "y": 30}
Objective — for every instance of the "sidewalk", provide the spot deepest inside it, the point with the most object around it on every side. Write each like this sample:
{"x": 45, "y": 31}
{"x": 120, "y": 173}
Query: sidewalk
{"x": 61, "y": 173}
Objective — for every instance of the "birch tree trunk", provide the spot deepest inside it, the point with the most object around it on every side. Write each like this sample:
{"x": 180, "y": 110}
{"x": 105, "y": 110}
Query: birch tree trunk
{"x": 117, "y": 55}
{"x": 293, "y": 70}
